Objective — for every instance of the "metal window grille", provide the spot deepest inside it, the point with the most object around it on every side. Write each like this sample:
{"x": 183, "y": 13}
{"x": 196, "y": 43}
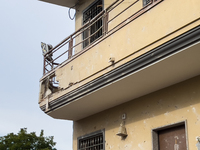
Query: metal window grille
{"x": 89, "y": 35}
{"x": 93, "y": 141}
{"x": 146, "y": 2}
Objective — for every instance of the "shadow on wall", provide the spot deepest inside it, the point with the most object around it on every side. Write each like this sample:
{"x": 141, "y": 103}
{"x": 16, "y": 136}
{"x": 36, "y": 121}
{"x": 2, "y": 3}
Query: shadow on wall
{"x": 155, "y": 108}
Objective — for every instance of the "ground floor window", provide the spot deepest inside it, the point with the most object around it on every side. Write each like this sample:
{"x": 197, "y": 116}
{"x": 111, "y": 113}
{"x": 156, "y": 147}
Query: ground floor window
{"x": 92, "y": 141}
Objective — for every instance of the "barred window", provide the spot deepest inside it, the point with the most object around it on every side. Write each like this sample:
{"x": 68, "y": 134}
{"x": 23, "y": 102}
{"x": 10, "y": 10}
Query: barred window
{"x": 146, "y": 2}
{"x": 93, "y": 141}
{"x": 95, "y": 31}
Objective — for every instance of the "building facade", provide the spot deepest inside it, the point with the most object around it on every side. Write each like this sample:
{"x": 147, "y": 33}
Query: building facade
{"x": 129, "y": 76}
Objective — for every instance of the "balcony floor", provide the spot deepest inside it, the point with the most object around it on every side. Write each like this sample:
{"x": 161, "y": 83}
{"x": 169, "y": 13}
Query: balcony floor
{"x": 175, "y": 67}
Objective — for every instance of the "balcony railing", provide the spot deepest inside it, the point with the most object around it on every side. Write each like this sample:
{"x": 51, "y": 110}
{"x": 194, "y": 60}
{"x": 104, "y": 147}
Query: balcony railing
{"x": 65, "y": 50}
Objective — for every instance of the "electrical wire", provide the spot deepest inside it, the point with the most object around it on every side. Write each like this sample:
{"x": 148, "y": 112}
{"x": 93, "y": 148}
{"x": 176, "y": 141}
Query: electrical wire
{"x": 72, "y": 18}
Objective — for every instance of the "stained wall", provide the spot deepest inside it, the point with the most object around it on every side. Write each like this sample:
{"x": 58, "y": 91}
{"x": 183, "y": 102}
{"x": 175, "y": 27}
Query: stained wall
{"x": 157, "y": 26}
{"x": 180, "y": 102}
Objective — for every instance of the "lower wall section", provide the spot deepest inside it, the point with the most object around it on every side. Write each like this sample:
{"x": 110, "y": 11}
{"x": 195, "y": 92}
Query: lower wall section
{"x": 145, "y": 115}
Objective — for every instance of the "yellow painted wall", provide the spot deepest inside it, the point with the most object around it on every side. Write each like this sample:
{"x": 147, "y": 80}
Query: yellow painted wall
{"x": 141, "y": 35}
{"x": 174, "y": 104}
{"x": 160, "y": 24}
{"x": 170, "y": 105}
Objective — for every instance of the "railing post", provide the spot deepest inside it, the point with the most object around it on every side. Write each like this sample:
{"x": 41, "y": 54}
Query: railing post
{"x": 105, "y": 23}
{"x": 89, "y": 32}
{"x": 44, "y": 65}
{"x": 52, "y": 63}
{"x": 70, "y": 47}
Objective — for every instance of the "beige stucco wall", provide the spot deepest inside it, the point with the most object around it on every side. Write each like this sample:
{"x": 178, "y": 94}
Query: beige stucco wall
{"x": 160, "y": 24}
{"x": 180, "y": 102}
{"x": 150, "y": 30}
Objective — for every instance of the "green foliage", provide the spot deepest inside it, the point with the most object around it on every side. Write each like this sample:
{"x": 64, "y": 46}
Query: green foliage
{"x": 26, "y": 141}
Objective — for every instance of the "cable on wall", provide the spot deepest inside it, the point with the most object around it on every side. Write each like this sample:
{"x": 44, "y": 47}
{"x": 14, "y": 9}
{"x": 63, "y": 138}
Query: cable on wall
{"x": 72, "y": 18}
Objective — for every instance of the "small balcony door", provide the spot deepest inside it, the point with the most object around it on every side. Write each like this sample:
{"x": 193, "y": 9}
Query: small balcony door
{"x": 172, "y": 138}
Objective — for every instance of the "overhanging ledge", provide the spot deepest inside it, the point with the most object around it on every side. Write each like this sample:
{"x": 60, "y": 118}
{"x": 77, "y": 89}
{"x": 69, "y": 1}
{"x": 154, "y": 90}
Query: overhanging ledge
{"x": 170, "y": 63}
{"x": 65, "y": 3}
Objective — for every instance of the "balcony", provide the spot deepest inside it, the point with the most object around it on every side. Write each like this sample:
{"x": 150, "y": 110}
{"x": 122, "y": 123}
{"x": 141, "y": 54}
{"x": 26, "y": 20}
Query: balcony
{"x": 91, "y": 71}
{"x": 66, "y": 3}
{"x": 65, "y": 50}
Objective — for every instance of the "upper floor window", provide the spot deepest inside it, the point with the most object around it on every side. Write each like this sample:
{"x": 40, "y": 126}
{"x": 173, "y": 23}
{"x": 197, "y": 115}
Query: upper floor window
{"x": 146, "y": 2}
{"x": 94, "y": 31}
{"x": 93, "y": 141}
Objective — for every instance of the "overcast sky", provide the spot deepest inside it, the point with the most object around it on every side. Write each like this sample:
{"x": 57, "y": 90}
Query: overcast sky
{"x": 24, "y": 24}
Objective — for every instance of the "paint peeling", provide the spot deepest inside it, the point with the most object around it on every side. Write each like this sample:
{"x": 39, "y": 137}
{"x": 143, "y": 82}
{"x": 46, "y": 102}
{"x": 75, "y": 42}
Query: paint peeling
{"x": 127, "y": 146}
{"x": 166, "y": 114}
{"x": 143, "y": 29}
{"x": 141, "y": 146}
{"x": 195, "y": 112}
{"x": 176, "y": 145}
{"x": 128, "y": 20}
{"x": 111, "y": 146}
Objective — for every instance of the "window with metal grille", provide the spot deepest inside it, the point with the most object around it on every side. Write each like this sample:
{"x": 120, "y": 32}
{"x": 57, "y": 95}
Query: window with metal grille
{"x": 95, "y": 30}
{"x": 146, "y": 2}
{"x": 93, "y": 141}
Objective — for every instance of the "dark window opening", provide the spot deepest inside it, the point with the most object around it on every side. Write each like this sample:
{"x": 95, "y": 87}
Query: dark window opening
{"x": 95, "y": 30}
{"x": 93, "y": 141}
{"x": 146, "y": 2}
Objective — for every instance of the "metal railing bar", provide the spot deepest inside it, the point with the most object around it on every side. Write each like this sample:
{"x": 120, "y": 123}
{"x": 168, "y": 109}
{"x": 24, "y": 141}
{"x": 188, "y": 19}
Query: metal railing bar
{"x": 80, "y": 31}
{"x": 56, "y": 48}
{"x": 115, "y": 6}
{"x": 123, "y": 10}
{"x": 48, "y": 63}
{"x": 78, "y": 34}
{"x": 96, "y": 31}
{"x": 91, "y": 24}
{"x": 61, "y": 55}
{"x": 103, "y": 11}
{"x": 102, "y": 16}
{"x": 52, "y": 50}
{"x": 109, "y": 7}
{"x": 135, "y": 15}
{"x": 89, "y": 36}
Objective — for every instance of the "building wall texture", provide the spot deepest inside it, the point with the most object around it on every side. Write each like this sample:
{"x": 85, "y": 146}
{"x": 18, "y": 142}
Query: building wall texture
{"x": 177, "y": 103}
{"x": 180, "y": 102}
{"x": 160, "y": 24}
{"x": 157, "y": 26}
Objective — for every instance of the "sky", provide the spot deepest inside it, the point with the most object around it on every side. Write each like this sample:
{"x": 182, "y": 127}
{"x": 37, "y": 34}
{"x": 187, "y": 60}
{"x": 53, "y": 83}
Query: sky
{"x": 24, "y": 24}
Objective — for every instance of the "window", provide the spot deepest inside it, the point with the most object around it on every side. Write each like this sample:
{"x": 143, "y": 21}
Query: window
{"x": 146, "y": 2}
{"x": 95, "y": 30}
{"x": 93, "y": 141}
{"x": 170, "y": 137}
